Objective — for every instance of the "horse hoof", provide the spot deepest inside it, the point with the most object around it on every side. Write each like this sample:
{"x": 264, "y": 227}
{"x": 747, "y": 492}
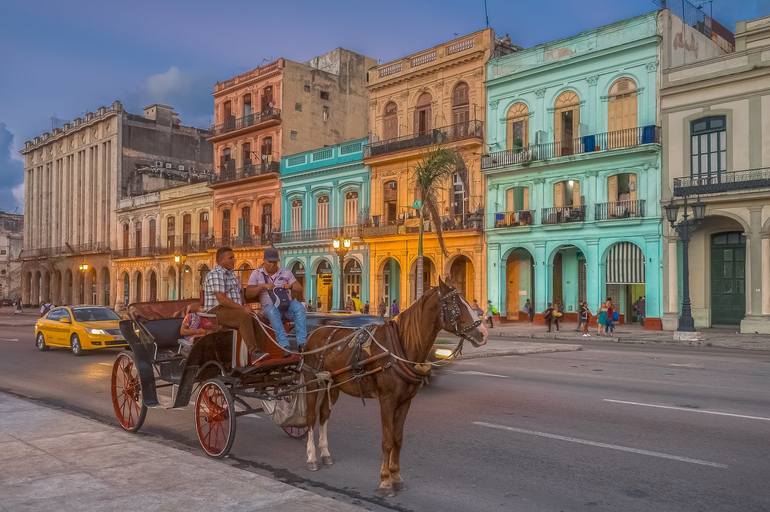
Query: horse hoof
{"x": 385, "y": 492}
{"x": 327, "y": 461}
{"x": 312, "y": 466}
{"x": 399, "y": 486}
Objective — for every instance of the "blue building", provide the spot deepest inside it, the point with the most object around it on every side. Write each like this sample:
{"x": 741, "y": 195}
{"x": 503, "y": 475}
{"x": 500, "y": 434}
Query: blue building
{"x": 323, "y": 192}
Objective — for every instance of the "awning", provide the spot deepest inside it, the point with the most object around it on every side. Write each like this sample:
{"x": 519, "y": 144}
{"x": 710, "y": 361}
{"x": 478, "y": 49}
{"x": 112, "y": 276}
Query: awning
{"x": 625, "y": 264}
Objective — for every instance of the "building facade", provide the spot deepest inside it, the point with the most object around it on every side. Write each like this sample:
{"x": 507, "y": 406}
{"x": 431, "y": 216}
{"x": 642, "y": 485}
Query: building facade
{"x": 716, "y": 117}
{"x": 323, "y": 193}
{"x": 432, "y": 97}
{"x": 11, "y": 242}
{"x": 284, "y": 107}
{"x": 573, "y": 172}
{"x": 74, "y": 179}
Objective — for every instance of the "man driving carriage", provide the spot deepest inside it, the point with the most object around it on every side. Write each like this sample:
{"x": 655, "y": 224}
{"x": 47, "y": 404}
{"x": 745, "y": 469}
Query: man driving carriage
{"x": 274, "y": 286}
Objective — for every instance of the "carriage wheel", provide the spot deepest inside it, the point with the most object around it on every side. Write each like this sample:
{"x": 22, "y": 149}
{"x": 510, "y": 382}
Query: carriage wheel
{"x": 126, "y": 391}
{"x": 295, "y": 432}
{"x": 215, "y": 418}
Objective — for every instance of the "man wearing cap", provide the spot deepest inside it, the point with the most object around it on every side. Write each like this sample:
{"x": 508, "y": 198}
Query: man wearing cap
{"x": 266, "y": 283}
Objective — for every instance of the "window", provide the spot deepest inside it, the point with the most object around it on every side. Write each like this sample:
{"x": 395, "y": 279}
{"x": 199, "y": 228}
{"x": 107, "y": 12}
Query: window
{"x": 324, "y": 95}
{"x": 566, "y": 193}
{"x": 422, "y": 114}
{"x": 267, "y": 219}
{"x": 246, "y": 154}
{"x": 244, "y": 223}
{"x": 246, "y": 105}
{"x": 226, "y": 162}
{"x": 322, "y": 212}
{"x": 138, "y": 236}
{"x": 153, "y": 234}
{"x": 2, "y": 272}
{"x": 460, "y": 110}
{"x": 518, "y": 126}
{"x": 621, "y": 110}
{"x": 296, "y": 215}
{"x": 298, "y": 107}
{"x": 125, "y": 237}
{"x": 390, "y": 202}
{"x": 170, "y": 232}
{"x": 325, "y": 113}
{"x": 307, "y": 87}
{"x": 227, "y": 115}
{"x": 390, "y": 121}
{"x": 293, "y": 135}
{"x": 621, "y": 187}
{"x": 203, "y": 226}
{"x": 226, "y": 226}
{"x": 186, "y": 229}
{"x": 3, "y": 251}
{"x": 351, "y": 208}
{"x": 517, "y": 199}
{"x": 708, "y": 143}
{"x": 458, "y": 195}
{"x": 266, "y": 150}
{"x": 267, "y": 98}
{"x": 566, "y": 119}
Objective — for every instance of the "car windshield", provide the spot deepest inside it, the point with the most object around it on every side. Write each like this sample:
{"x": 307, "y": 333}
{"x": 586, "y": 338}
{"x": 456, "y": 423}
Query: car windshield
{"x": 94, "y": 314}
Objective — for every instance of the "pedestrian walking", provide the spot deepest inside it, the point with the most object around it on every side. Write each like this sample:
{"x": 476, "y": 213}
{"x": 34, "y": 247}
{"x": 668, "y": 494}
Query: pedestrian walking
{"x": 18, "y": 309}
{"x": 491, "y": 312}
{"x": 548, "y": 316}
{"x": 640, "y": 307}
{"x": 584, "y": 316}
{"x": 612, "y": 317}
{"x": 394, "y": 310}
{"x": 557, "y": 314}
{"x": 366, "y": 308}
{"x": 349, "y": 306}
{"x": 382, "y": 308}
{"x": 530, "y": 311}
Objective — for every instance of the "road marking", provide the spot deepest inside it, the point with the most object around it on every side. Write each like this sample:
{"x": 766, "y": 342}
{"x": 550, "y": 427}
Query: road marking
{"x": 9, "y": 339}
{"x": 688, "y": 409}
{"x": 686, "y": 365}
{"x": 482, "y": 374}
{"x": 628, "y": 449}
{"x": 105, "y": 364}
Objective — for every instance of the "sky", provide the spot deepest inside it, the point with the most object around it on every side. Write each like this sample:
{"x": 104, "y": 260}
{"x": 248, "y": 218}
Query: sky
{"x": 59, "y": 59}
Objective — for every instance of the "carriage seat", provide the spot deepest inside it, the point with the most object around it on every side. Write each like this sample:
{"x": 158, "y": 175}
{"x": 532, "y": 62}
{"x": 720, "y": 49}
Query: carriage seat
{"x": 165, "y": 332}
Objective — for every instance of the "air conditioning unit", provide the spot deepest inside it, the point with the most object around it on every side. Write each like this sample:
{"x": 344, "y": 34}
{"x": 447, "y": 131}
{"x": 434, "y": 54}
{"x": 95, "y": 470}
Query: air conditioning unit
{"x": 540, "y": 137}
{"x": 180, "y": 167}
{"x": 158, "y": 163}
{"x": 168, "y": 165}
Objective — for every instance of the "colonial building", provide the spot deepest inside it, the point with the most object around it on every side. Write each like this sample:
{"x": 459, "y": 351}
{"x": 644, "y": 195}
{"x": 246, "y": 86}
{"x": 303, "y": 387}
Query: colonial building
{"x": 323, "y": 192}
{"x": 280, "y": 108}
{"x": 156, "y": 229}
{"x": 716, "y": 118}
{"x": 573, "y": 169}
{"x": 11, "y": 240}
{"x": 74, "y": 179}
{"x": 432, "y": 97}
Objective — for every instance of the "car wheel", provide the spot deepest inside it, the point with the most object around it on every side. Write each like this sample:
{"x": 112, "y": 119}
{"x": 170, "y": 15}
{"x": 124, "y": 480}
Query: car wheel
{"x": 40, "y": 342}
{"x": 75, "y": 346}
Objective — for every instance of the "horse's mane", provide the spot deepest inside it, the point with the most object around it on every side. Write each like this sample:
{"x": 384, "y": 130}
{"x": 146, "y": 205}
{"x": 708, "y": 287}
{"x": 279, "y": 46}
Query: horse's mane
{"x": 417, "y": 332}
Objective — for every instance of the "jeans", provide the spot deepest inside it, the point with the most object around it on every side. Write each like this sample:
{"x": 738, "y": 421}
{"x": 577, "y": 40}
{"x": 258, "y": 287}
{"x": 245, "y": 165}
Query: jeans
{"x": 296, "y": 314}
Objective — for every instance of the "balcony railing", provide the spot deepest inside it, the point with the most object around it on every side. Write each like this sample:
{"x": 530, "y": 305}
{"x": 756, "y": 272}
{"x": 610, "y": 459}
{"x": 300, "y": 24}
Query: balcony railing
{"x": 455, "y": 132}
{"x": 607, "y": 141}
{"x": 66, "y": 250}
{"x": 563, "y": 214}
{"x": 316, "y": 235}
{"x": 619, "y": 210}
{"x": 514, "y": 218}
{"x": 225, "y": 174}
{"x": 232, "y": 124}
{"x": 722, "y": 182}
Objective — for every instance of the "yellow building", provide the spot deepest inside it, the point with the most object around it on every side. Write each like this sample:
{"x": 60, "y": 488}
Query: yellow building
{"x": 163, "y": 235}
{"x": 431, "y": 97}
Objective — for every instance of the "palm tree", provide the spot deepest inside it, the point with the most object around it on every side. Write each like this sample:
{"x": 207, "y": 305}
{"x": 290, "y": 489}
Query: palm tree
{"x": 430, "y": 176}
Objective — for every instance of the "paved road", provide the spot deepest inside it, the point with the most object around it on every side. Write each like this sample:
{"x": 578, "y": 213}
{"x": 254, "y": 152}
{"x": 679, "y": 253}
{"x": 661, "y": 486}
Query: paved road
{"x": 608, "y": 428}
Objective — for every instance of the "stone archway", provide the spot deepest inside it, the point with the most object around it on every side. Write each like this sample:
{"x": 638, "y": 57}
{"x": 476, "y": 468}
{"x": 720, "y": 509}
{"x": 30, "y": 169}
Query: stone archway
{"x": 625, "y": 279}
{"x": 462, "y": 276}
{"x": 519, "y": 283}
{"x": 391, "y": 282}
{"x": 568, "y": 279}
{"x": 429, "y": 276}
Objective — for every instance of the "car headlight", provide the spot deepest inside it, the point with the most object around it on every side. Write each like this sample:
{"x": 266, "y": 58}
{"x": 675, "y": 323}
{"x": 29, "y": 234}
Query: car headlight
{"x": 100, "y": 332}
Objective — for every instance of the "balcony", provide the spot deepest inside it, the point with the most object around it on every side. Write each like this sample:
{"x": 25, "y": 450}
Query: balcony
{"x": 66, "y": 250}
{"x": 255, "y": 119}
{"x": 563, "y": 214}
{"x": 452, "y": 133}
{"x": 722, "y": 182}
{"x": 608, "y": 141}
{"x": 316, "y": 235}
{"x": 619, "y": 210}
{"x": 514, "y": 219}
{"x": 231, "y": 174}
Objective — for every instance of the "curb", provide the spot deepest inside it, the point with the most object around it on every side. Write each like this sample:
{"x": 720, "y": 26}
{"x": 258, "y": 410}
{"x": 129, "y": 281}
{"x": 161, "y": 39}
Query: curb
{"x": 521, "y": 352}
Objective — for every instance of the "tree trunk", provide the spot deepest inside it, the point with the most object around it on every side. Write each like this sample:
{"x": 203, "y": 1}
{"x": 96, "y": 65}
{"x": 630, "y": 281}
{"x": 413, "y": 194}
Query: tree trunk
{"x": 419, "y": 284}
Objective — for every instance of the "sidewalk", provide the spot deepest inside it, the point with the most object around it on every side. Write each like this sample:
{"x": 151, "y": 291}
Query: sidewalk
{"x": 624, "y": 333}
{"x": 28, "y": 317}
{"x": 54, "y": 460}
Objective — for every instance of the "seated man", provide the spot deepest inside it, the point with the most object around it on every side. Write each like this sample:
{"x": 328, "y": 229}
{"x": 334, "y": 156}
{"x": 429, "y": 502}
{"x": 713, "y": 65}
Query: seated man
{"x": 265, "y": 283}
{"x": 222, "y": 297}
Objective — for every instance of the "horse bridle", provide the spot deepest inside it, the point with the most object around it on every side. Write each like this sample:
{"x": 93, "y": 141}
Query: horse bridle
{"x": 450, "y": 314}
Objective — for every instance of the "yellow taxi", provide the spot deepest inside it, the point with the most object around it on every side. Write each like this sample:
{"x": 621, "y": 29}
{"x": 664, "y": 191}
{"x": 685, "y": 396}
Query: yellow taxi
{"x": 79, "y": 328}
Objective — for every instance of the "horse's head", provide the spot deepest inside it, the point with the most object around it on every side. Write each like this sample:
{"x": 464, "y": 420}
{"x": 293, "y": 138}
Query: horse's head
{"x": 458, "y": 317}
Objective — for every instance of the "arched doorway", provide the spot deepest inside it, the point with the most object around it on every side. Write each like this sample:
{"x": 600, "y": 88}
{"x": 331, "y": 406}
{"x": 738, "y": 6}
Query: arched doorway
{"x": 728, "y": 278}
{"x": 298, "y": 269}
{"x": 56, "y": 291}
{"x": 324, "y": 286}
{"x": 26, "y": 288}
{"x": 67, "y": 287}
{"x": 352, "y": 278}
{"x": 519, "y": 283}
{"x": 245, "y": 274}
{"x": 462, "y": 276}
{"x": 138, "y": 287}
{"x": 568, "y": 279}
{"x": 391, "y": 281}
{"x": 186, "y": 290}
{"x": 624, "y": 278}
{"x": 428, "y": 277}
{"x": 171, "y": 284}
{"x": 203, "y": 270}
{"x": 126, "y": 289}
{"x": 105, "y": 292}
{"x": 153, "y": 286}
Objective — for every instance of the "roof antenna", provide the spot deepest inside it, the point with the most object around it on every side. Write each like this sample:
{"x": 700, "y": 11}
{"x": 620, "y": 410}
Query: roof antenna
{"x": 486, "y": 13}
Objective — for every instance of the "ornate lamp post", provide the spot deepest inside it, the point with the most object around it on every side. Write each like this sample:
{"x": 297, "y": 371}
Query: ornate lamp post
{"x": 179, "y": 259}
{"x": 684, "y": 229}
{"x": 83, "y": 268}
{"x": 341, "y": 247}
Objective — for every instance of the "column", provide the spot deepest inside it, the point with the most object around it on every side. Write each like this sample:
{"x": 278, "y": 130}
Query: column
{"x": 493, "y": 278}
{"x": 653, "y": 279}
{"x": 594, "y": 276}
{"x": 541, "y": 277}
{"x": 28, "y": 179}
{"x": 754, "y": 250}
{"x": 766, "y": 274}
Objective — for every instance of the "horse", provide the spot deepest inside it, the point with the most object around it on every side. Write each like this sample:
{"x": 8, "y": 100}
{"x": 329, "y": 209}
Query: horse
{"x": 379, "y": 362}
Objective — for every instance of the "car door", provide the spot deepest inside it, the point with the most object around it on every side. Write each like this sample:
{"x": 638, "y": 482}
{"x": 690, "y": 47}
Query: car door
{"x": 65, "y": 328}
{"x": 50, "y": 327}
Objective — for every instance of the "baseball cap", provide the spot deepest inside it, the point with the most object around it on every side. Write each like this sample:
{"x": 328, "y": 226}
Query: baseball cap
{"x": 272, "y": 255}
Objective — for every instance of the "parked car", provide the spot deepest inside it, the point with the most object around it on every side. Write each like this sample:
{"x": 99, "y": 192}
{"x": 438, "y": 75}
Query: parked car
{"x": 79, "y": 328}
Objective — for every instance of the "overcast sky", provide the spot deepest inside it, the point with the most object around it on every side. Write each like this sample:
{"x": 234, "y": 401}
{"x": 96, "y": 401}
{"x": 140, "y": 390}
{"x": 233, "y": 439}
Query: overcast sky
{"x": 63, "y": 58}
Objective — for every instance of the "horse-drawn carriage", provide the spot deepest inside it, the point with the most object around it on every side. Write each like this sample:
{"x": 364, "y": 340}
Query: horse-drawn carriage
{"x": 216, "y": 365}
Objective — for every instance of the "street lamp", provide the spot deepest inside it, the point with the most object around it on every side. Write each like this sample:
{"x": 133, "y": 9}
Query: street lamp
{"x": 684, "y": 229}
{"x": 179, "y": 259}
{"x": 341, "y": 247}
{"x": 83, "y": 267}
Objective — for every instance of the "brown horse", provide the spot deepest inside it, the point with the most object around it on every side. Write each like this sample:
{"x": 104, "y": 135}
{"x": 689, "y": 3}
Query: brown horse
{"x": 379, "y": 370}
